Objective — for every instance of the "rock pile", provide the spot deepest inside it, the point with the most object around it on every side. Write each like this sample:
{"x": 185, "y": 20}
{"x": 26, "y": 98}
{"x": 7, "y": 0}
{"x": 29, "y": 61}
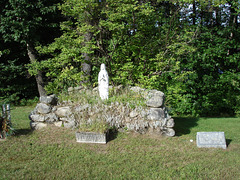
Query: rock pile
{"x": 152, "y": 118}
{"x": 47, "y": 112}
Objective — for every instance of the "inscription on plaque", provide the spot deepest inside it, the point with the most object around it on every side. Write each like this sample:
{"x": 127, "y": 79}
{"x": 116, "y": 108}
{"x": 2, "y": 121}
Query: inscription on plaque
{"x": 91, "y": 137}
{"x": 211, "y": 139}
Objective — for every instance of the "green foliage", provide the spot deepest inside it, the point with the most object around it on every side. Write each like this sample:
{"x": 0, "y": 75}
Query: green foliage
{"x": 120, "y": 32}
{"x": 213, "y": 86}
{"x": 187, "y": 49}
{"x": 15, "y": 82}
{"x": 24, "y": 21}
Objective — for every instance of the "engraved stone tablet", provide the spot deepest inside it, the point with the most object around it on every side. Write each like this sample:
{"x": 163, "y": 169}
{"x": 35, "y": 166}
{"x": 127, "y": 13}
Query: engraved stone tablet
{"x": 91, "y": 137}
{"x": 211, "y": 139}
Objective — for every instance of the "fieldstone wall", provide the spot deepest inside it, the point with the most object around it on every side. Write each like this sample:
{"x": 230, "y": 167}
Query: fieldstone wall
{"x": 152, "y": 118}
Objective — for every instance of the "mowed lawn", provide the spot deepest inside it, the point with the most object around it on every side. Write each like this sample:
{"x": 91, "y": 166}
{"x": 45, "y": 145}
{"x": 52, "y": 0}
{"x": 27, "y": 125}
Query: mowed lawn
{"x": 53, "y": 153}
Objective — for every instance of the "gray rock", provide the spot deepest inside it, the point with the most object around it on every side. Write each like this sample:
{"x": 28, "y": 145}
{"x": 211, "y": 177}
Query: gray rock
{"x": 137, "y": 89}
{"x": 54, "y": 108}
{"x": 63, "y": 111}
{"x": 166, "y": 113}
{"x": 37, "y": 125}
{"x": 82, "y": 108}
{"x": 140, "y": 124}
{"x": 33, "y": 112}
{"x": 37, "y": 118}
{"x": 133, "y": 114}
{"x": 52, "y": 99}
{"x": 170, "y": 123}
{"x": 67, "y": 119}
{"x": 151, "y": 124}
{"x": 155, "y": 98}
{"x": 155, "y": 114}
{"x": 58, "y": 123}
{"x": 144, "y": 113}
{"x": 168, "y": 132}
{"x": 137, "y": 127}
{"x": 130, "y": 127}
{"x": 157, "y": 124}
{"x": 42, "y": 108}
{"x": 69, "y": 124}
{"x": 127, "y": 120}
{"x": 164, "y": 122}
{"x": 51, "y": 117}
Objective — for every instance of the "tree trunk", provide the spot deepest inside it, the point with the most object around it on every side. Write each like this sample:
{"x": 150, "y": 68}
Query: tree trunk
{"x": 233, "y": 26}
{"x": 194, "y": 13}
{"x": 33, "y": 58}
{"x": 218, "y": 16}
{"x": 86, "y": 65}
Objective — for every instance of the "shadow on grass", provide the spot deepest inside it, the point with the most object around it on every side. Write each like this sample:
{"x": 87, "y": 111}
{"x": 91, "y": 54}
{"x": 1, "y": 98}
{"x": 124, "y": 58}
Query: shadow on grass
{"x": 20, "y": 132}
{"x": 184, "y": 124}
{"x": 228, "y": 141}
{"x": 113, "y": 133}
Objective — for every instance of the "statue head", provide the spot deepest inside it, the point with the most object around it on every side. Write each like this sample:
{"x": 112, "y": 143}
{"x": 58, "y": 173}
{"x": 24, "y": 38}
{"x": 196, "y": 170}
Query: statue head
{"x": 103, "y": 67}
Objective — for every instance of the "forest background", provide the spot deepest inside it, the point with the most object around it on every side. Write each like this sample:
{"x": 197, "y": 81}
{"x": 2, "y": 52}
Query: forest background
{"x": 190, "y": 50}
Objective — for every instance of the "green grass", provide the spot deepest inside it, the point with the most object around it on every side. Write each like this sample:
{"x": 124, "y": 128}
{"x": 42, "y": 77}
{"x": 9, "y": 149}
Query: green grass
{"x": 52, "y": 153}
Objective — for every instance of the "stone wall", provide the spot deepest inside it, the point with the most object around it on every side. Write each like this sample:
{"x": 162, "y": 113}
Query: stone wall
{"x": 151, "y": 118}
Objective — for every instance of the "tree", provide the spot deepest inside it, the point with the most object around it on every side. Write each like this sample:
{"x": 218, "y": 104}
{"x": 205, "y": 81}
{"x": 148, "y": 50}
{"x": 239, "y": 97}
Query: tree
{"x": 212, "y": 86}
{"x": 15, "y": 82}
{"x": 118, "y": 35}
{"x": 183, "y": 48}
{"x": 29, "y": 23}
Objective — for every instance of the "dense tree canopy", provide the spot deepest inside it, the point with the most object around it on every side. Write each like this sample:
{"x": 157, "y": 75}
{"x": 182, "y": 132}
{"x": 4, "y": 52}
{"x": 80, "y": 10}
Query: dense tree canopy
{"x": 188, "y": 49}
{"x": 29, "y": 23}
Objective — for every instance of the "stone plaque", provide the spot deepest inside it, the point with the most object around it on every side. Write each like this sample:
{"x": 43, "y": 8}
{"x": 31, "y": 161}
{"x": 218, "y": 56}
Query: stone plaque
{"x": 91, "y": 137}
{"x": 211, "y": 139}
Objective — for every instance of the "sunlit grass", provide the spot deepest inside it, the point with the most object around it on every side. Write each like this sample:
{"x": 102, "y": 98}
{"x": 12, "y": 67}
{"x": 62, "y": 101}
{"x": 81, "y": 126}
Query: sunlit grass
{"x": 53, "y": 153}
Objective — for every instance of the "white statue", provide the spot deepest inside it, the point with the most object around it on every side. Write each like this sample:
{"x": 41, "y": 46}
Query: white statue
{"x": 103, "y": 82}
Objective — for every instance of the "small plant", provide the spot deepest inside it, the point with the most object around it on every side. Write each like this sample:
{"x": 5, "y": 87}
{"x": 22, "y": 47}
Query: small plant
{"x": 94, "y": 123}
{"x": 94, "y": 126}
{"x": 126, "y": 96}
{"x": 82, "y": 96}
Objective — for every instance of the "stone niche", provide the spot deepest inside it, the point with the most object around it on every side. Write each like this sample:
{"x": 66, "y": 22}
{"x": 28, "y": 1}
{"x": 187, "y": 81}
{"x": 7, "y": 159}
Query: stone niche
{"x": 151, "y": 118}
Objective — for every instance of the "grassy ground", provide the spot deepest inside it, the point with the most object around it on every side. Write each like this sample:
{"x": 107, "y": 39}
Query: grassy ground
{"x": 52, "y": 153}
